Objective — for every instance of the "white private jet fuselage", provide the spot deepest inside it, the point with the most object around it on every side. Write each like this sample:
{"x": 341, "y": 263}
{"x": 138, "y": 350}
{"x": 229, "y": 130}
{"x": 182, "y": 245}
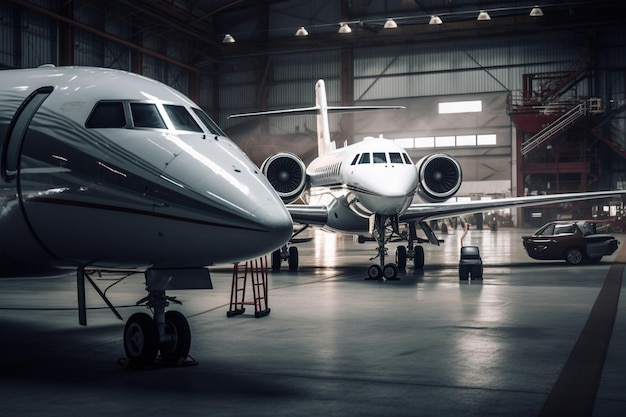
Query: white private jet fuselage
{"x": 372, "y": 177}
{"x": 106, "y": 168}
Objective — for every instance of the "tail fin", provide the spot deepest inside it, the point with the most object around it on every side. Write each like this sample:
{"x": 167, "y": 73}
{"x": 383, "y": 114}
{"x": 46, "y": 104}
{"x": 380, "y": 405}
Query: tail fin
{"x": 323, "y": 128}
{"x": 321, "y": 110}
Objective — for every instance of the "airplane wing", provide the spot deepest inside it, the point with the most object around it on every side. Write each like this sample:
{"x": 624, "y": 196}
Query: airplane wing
{"x": 435, "y": 211}
{"x": 311, "y": 215}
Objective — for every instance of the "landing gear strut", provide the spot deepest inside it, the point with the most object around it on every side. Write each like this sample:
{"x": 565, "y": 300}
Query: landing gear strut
{"x": 388, "y": 271}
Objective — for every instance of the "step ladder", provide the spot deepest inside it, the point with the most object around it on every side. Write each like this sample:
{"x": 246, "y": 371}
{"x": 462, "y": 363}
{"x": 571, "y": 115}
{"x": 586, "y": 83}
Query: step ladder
{"x": 256, "y": 270}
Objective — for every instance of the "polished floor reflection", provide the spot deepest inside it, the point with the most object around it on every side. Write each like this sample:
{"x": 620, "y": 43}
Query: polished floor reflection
{"x": 334, "y": 344}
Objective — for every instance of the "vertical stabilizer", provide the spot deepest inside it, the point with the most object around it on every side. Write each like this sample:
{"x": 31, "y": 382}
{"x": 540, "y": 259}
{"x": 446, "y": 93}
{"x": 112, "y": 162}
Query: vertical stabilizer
{"x": 323, "y": 129}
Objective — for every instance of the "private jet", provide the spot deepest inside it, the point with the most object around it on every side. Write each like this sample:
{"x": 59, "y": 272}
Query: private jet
{"x": 104, "y": 169}
{"x": 368, "y": 188}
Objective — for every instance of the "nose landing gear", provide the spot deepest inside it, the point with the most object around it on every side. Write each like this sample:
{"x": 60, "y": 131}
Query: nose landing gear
{"x": 165, "y": 332}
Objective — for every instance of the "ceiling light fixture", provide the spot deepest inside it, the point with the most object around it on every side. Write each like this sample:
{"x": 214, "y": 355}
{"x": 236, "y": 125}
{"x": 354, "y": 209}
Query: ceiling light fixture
{"x": 344, "y": 28}
{"x": 228, "y": 39}
{"x": 390, "y": 24}
{"x": 483, "y": 15}
{"x": 536, "y": 11}
{"x": 435, "y": 20}
{"x": 302, "y": 32}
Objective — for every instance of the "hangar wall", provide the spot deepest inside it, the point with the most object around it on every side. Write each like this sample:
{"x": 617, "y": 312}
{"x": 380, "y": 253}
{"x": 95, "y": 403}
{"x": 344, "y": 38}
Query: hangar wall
{"x": 414, "y": 73}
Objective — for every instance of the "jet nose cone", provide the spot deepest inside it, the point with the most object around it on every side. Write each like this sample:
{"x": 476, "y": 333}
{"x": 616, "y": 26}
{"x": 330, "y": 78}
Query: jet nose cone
{"x": 276, "y": 219}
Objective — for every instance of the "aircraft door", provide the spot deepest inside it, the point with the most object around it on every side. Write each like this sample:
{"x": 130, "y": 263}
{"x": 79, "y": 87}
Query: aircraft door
{"x": 25, "y": 254}
{"x": 17, "y": 130}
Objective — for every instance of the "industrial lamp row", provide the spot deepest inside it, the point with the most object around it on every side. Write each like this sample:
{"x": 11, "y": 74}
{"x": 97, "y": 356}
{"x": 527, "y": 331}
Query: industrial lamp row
{"x": 391, "y": 24}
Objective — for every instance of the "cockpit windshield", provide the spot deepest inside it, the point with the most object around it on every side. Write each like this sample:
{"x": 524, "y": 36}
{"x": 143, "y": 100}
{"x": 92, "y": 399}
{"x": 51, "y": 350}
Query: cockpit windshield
{"x": 181, "y": 118}
{"x": 382, "y": 158}
{"x": 146, "y": 115}
{"x": 208, "y": 123}
{"x": 143, "y": 115}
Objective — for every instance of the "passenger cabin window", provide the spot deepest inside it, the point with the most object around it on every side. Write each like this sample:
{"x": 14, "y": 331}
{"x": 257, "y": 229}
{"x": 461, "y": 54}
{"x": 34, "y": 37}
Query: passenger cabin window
{"x": 107, "y": 114}
{"x": 356, "y": 158}
{"x": 380, "y": 158}
{"x": 181, "y": 118}
{"x": 146, "y": 115}
{"x": 365, "y": 159}
{"x": 395, "y": 158}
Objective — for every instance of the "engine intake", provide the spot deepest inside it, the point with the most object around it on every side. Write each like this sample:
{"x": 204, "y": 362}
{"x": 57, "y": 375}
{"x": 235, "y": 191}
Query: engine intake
{"x": 287, "y": 174}
{"x": 439, "y": 176}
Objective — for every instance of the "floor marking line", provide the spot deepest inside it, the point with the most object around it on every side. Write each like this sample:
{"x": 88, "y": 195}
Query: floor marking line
{"x": 574, "y": 392}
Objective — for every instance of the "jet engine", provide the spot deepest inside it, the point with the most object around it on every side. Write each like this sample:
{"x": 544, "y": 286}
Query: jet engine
{"x": 439, "y": 177}
{"x": 287, "y": 174}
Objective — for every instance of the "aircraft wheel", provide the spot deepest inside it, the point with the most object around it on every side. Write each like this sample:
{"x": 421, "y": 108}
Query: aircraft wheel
{"x": 401, "y": 257}
{"x": 177, "y": 327}
{"x": 390, "y": 271}
{"x": 276, "y": 260}
{"x": 573, "y": 256}
{"x": 418, "y": 258}
{"x": 293, "y": 258}
{"x": 374, "y": 272}
{"x": 141, "y": 340}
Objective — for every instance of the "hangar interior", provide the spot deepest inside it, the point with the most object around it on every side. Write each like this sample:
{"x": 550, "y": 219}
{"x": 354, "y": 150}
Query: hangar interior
{"x": 529, "y": 96}
{"x": 548, "y": 79}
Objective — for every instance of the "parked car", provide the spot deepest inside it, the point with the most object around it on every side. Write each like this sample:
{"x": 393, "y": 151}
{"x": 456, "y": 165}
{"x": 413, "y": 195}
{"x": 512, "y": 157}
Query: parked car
{"x": 574, "y": 241}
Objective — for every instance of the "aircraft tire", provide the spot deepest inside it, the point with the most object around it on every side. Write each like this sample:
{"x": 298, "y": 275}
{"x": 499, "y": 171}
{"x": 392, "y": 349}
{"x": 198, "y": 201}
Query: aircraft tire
{"x": 401, "y": 257}
{"x": 374, "y": 272}
{"x": 418, "y": 258}
{"x": 176, "y": 325}
{"x": 276, "y": 260}
{"x": 293, "y": 259}
{"x": 390, "y": 271}
{"x": 141, "y": 340}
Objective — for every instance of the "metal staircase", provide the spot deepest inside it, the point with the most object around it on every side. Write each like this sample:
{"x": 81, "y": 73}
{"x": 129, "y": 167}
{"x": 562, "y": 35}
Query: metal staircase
{"x": 563, "y": 123}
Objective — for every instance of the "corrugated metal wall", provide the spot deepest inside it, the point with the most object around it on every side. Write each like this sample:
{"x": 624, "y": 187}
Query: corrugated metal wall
{"x": 462, "y": 68}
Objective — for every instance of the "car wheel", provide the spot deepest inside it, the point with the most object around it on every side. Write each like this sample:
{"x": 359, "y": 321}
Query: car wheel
{"x": 573, "y": 256}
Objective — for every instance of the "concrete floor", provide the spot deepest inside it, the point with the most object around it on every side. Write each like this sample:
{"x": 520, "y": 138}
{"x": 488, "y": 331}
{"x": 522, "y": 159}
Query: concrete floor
{"x": 334, "y": 343}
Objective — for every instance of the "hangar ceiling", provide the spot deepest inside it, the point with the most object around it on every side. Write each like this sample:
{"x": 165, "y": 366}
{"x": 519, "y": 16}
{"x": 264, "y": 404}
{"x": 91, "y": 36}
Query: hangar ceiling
{"x": 267, "y": 27}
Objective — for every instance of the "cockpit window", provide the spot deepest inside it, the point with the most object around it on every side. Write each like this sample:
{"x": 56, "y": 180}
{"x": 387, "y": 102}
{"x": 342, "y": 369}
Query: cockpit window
{"x": 365, "y": 159}
{"x": 380, "y": 158}
{"x": 210, "y": 124}
{"x": 356, "y": 158}
{"x": 395, "y": 158}
{"x": 181, "y": 118}
{"x": 146, "y": 115}
{"x": 107, "y": 114}
{"x": 407, "y": 160}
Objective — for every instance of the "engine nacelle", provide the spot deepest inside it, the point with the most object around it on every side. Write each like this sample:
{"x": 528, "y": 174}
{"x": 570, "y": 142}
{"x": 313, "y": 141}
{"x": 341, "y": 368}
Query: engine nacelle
{"x": 287, "y": 174}
{"x": 439, "y": 177}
